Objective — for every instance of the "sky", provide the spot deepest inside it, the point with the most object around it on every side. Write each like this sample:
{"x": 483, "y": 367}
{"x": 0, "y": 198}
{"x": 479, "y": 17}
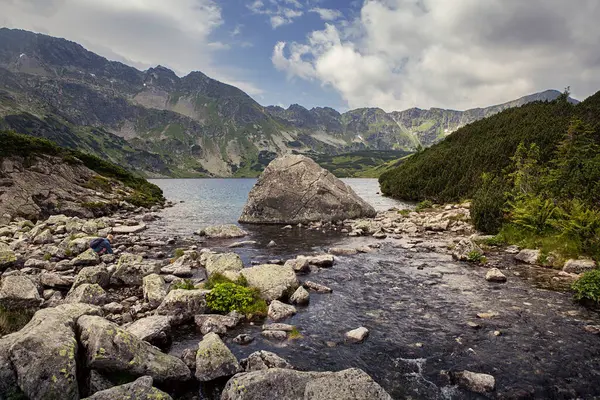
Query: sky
{"x": 345, "y": 54}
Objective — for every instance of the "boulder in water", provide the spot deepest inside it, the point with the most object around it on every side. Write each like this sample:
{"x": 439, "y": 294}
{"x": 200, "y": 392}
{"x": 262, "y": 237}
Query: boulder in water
{"x": 294, "y": 189}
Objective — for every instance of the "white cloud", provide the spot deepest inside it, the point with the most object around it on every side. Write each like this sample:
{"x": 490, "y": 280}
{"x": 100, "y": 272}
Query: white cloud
{"x": 465, "y": 53}
{"x": 327, "y": 14}
{"x": 278, "y": 13}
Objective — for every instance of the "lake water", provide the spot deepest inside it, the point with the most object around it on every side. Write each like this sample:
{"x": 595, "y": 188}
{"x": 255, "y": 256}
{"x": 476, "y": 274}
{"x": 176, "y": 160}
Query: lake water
{"x": 416, "y": 304}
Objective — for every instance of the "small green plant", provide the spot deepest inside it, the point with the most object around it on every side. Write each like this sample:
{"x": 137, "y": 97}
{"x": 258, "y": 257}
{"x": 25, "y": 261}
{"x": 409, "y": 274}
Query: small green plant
{"x": 227, "y": 297}
{"x": 47, "y": 257}
{"x": 495, "y": 241}
{"x": 424, "y": 205}
{"x": 295, "y": 334}
{"x": 179, "y": 253}
{"x": 404, "y": 212}
{"x": 218, "y": 278}
{"x": 476, "y": 256}
{"x": 13, "y": 320}
{"x": 587, "y": 287}
{"x": 185, "y": 284}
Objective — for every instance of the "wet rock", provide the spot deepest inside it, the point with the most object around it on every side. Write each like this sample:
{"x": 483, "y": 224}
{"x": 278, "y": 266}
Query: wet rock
{"x": 473, "y": 325}
{"x": 300, "y": 297}
{"x": 278, "y": 383}
{"x": 183, "y": 304}
{"x": 222, "y": 232}
{"x": 242, "y": 244}
{"x": 40, "y": 359}
{"x": 274, "y": 335}
{"x": 19, "y": 292}
{"x": 140, "y": 389}
{"x": 7, "y": 256}
{"x": 495, "y": 275}
{"x": 528, "y": 256}
{"x": 341, "y": 251}
{"x": 155, "y": 329}
{"x": 357, "y": 335}
{"x": 243, "y": 339}
{"x": 278, "y": 327}
{"x": 56, "y": 281}
{"x": 323, "y": 260}
{"x": 89, "y": 294}
{"x": 273, "y": 281}
{"x": 227, "y": 264}
{"x": 380, "y": 235}
{"x": 92, "y": 275}
{"x": 279, "y": 310}
{"x": 316, "y": 287}
{"x": 272, "y": 244}
{"x": 214, "y": 360}
{"x": 463, "y": 248}
{"x": 215, "y": 323}
{"x": 294, "y": 189}
{"x": 98, "y": 382}
{"x": 475, "y": 382}
{"x": 261, "y": 360}
{"x": 112, "y": 349}
{"x": 298, "y": 265}
{"x": 153, "y": 287}
{"x": 579, "y": 266}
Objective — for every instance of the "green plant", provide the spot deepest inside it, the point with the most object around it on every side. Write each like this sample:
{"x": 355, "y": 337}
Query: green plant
{"x": 424, "y": 205}
{"x": 185, "y": 284}
{"x": 47, "y": 257}
{"x": 227, "y": 297}
{"x": 217, "y": 278}
{"x": 295, "y": 334}
{"x": 13, "y": 320}
{"x": 404, "y": 212}
{"x": 487, "y": 207}
{"x": 179, "y": 253}
{"x": 587, "y": 287}
{"x": 476, "y": 256}
{"x": 495, "y": 241}
{"x": 536, "y": 214}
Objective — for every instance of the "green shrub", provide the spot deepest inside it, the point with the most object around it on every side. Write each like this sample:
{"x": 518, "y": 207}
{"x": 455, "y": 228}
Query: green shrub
{"x": 227, "y": 297}
{"x": 295, "y": 334}
{"x": 487, "y": 207}
{"x": 179, "y": 253}
{"x": 495, "y": 241}
{"x": 587, "y": 287}
{"x": 476, "y": 256}
{"x": 535, "y": 214}
{"x": 404, "y": 212}
{"x": 424, "y": 205}
{"x": 218, "y": 278}
{"x": 13, "y": 320}
{"x": 185, "y": 284}
{"x": 582, "y": 225}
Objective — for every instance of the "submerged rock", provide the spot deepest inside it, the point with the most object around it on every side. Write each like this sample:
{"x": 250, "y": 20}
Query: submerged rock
{"x": 222, "y": 232}
{"x": 214, "y": 360}
{"x": 294, "y": 189}
{"x": 357, "y": 335}
{"x": 317, "y": 287}
{"x": 141, "y": 389}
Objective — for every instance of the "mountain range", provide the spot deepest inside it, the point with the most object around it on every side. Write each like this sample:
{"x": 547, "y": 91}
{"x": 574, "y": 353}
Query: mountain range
{"x": 160, "y": 124}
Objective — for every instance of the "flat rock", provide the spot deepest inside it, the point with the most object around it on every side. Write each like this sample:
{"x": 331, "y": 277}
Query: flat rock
{"x": 227, "y": 264}
{"x": 294, "y": 189}
{"x": 88, "y": 257}
{"x": 342, "y": 251}
{"x": 274, "y": 335}
{"x": 278, "y": 327}
{"x": 215, "y": 323}
{"x": 298, "y": 264}
{"x": 93, "y": 275}
{"x": 273, "y": 281}
{"x": 155, "y": 329}
{"x": 323, "y": 260}
{"x": 579, "y": 266}
{"x": 140, "y": 389}
{"x": 129, "y": 229}
{"x": 495, "y": 275}
{"x": 214, "y": 360}
{"x": 357, "y": 335}
{"x": 279, "y": 310}
{"x": 89, "y": 294}
{"x": 19, "y": 292}
{"x": 222, "y": 232}
{"x": 528, "y": 256}
{"x": 182, "y": 267}
{"x": 317, "y": 287}
{"x": 56, "y": 281}
{"x": 183, "y": 304}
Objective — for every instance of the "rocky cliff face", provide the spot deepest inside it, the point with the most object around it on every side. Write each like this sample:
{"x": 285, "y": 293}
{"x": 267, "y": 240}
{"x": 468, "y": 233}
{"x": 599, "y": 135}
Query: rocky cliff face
{"x": 162, "y": 125}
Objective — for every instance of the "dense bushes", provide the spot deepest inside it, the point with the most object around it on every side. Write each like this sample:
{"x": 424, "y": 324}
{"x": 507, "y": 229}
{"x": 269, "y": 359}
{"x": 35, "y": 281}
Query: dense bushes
{"x": 487, "y": 208}
{"x": 227, "y": 297}
{"x": 587, "y": 287}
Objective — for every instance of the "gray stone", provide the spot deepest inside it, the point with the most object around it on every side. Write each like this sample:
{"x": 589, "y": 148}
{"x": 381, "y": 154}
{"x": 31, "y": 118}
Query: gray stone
{"x": 214, "y": 360}
{"x": 323, "y": 260}
{"x": 294, "y": 189}
{"x": 317, "y": 287}
{"x": 278, "y": 327}
{"x": 87, "y": 293}
{"x": 261, "y": 360}
{"x": 579, "y": 266}
{"x": 243, "y": 339}
{"x": 350, "y": 384}
{"x": 300, "y": 297}
{"x": 298, "y": 264}
{"x": 93, "y": 275}
{"x": 19, "y": 292}
{"x": 273, "y": 281}
{"x": 155, "y": 330}
{"x": 140, "y": 389}
{"x": 495, "y": 275}
{"x": 342, "y": 251}
{"x": 7, "y": 256}
{"x": 129, "y": 229}
{"x": 222, "y": 232}
{"x": 462, "y": 250}
{"x": 227, "y": 264}
{"x": 112, "y": 349}
{"x": 279, "y": 310}
{"x": 132, "y": 269}
{"x": 153, "y": 287}
{"x": 88, "y": 257}
{"x": 182, "y": 267}
{"x": 528, "y": 256}
{"x": 215, "y": 323}
{"x": 113, "y": 308}
{"x": 274, "y": 335}
{"x": 183, "y": 304}
{"x": 475, "y": 382}
{"x": 56, "y": 281}
{"x": 357, "y": 335}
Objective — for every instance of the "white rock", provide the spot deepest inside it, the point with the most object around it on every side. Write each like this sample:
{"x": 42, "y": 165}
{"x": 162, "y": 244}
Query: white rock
{"x": 357, "y": 335}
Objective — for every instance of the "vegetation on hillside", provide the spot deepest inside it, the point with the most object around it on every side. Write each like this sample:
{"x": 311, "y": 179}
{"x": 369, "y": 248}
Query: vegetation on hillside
{"x": 358, "y": 164}
{"x": 145, "y": 193}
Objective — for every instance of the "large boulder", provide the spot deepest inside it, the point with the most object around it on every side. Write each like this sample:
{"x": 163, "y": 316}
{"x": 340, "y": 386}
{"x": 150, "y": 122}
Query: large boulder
{"x": 111, "y": 349}
{"x": 227, "y": 264}
{"x": 273, "y": 281}
{"x": 141, "y": 389}
{"x": 214, "y": 360}
{"x": 294, "y": 189}
{"x": 93, "y": 275}
{"x": 579, "y": 266}
{"x": 222, "y": 232}
{"x": 261, "y": 360}
{"x": 18, "y": 292}
{"x": 89, "y": 294}
{"x": 88, "y": 257}
{"x": 183, "y": 304}
{"x": 39, "y": 361}
{"x": 153, "y": 287}
{"x": 276, "y": 383}
{"x": 155, "y": 330}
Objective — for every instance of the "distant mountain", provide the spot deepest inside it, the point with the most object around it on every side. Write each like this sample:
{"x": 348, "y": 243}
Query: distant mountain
{"x": 162, "y": 125}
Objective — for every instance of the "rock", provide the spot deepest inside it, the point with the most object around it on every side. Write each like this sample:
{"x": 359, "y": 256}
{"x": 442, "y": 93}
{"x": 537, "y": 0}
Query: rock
{"x": 113, "y": 308}
{"x": 92, "y": 275}
{"x": 227, "y": 264}
{"x": 278, "y": 327}
{"x": 56, "y": 281}
{"x": 40, "y": 264}
{"x": 98, "y": 382}
{"x": 243, "y": 339}
{"x": 214, "y": 360}
{"x": 279, "y": 310}
{"x": 579, "y": 266}
{"x": 300, "y": 297}
{"x": 44, "y": 237}
{"x": 7, "y": 256}
{"x": 155, "y": 330}
{"x": 380, "y": 235}
{"x": 261, "y": 360}
{"x": 278, "y": 383}
{"x": 340, "y": 251}
{"x": 323, "y": 261}
{"x": 132, "y": 273}
{"x": 287, "y": 227}
{"x": 188, "y": 356}
{"x": 298, "y": 265}
{"x": 87, "y": 293}
{"x": 128, "y": 229}
{"x": 153, "y": 287}
{"x": 112, "y": 349}
{"x": 274, "y": 335}
{"x": 528, "y": 256}
{"x": 242, "y": 244}
{"x": 222, "y": 232}
{"x": 316, "y": 287}
{"x": 183, "y": 304}
{"x": 215, "y": 323}
{"x": 294, "y": 189}
{"x": 19, "y": 292}
{"x": 182, "y": 267}
{"x": 88, "y": 257}
{"x": 473, "y": 325}
{"x": 357, "y": 335}
{"x": 140, "y": 389}
{"x": 273, "y": 281}
{"x": 495, "y": 275}
{"x": 40, "y": 359}
{"x": 475, "y": 382}
{"x": 463, "y": 248}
